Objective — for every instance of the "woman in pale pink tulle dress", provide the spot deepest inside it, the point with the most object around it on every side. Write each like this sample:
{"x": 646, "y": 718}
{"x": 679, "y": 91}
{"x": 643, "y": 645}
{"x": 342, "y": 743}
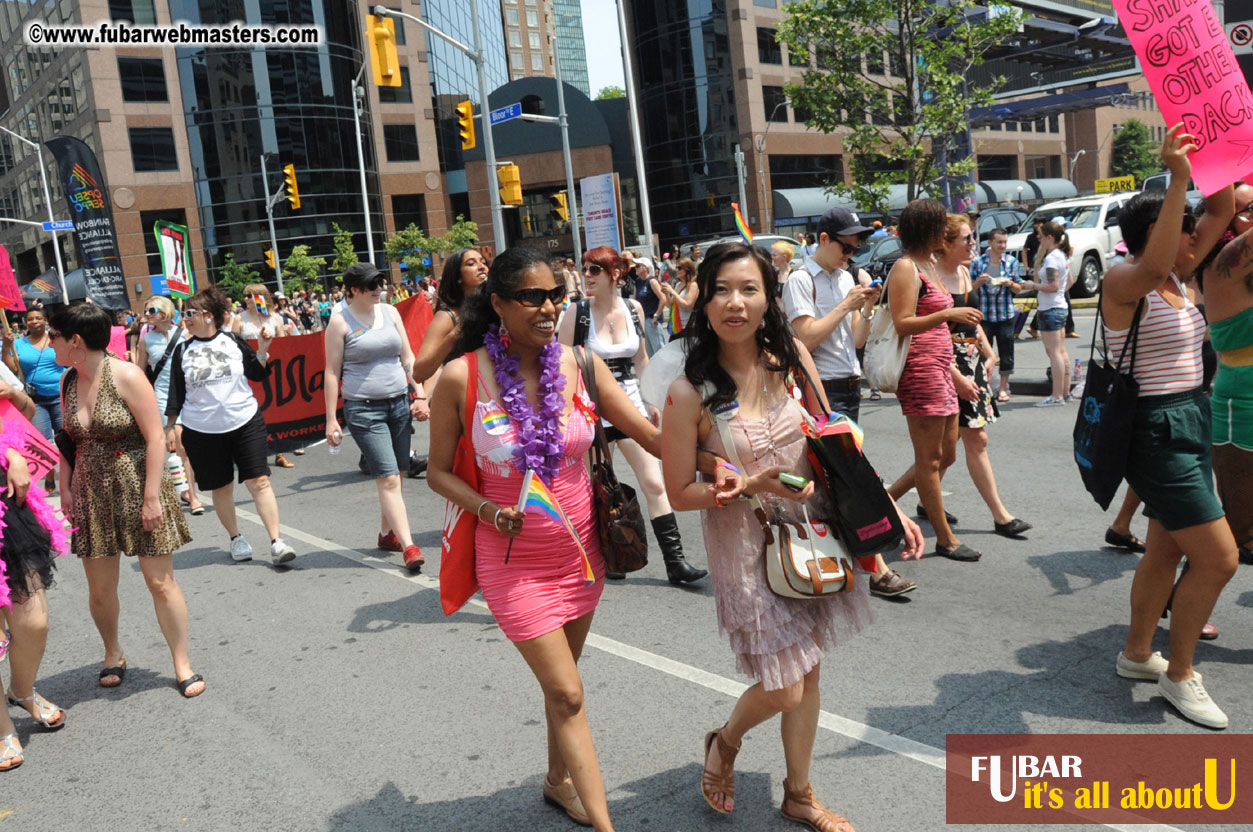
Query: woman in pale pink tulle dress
{"x": 737, "y": 368}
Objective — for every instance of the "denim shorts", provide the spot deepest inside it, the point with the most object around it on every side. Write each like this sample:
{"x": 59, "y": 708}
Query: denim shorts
{"x": 1051, "y": 320}
{"x": 380, "y": 428}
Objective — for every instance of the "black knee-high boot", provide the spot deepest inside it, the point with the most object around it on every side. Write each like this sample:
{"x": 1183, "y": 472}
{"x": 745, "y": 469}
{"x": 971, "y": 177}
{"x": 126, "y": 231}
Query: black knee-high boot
{"x": 678, "y": 570}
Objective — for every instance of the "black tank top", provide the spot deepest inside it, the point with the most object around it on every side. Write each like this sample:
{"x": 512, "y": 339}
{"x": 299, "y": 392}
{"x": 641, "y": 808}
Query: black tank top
{"x": 970, "y": 299}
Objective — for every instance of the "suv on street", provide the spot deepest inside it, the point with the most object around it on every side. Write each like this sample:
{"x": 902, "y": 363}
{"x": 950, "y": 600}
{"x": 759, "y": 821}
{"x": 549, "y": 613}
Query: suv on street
{"x": 1093, "y": 233}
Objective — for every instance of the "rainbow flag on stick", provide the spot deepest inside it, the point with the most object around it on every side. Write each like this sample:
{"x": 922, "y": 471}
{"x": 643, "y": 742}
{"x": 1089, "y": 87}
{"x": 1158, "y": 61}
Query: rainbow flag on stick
{"x": 262, "y": 309}
{"x": 535, "y": 498}
{"x": 742, "y": 226}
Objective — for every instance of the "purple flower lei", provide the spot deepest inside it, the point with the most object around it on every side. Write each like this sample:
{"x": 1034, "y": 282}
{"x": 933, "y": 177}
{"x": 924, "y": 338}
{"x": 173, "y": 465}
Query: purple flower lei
{"x": 539, "y": 432}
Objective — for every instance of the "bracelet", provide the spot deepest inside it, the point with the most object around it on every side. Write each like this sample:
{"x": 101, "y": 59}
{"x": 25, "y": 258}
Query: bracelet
{"x": 496, "y": 519}
{"x": 480, "y": 508}
{"x": 728, "y": 466}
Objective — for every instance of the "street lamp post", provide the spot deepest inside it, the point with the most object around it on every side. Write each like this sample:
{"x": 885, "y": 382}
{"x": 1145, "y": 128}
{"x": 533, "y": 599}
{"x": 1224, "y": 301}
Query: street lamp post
{"x": 43, "y": 179}
{"x": 761, "y": 170}
{"x": 1073, "y": 159}
{"x": 270, "y": 202}
{"x": 475, "y": 54}
{"x": 633, "y": 107}
{"x": 358, "y": 104}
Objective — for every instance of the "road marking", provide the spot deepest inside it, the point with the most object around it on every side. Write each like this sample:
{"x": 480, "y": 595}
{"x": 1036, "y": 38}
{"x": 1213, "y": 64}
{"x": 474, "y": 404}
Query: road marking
{"x": 836, "y": 724}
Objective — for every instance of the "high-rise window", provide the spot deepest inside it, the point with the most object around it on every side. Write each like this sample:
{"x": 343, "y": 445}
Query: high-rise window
{"x": 537, "y": 61}
{"x": 511, "y": 17}
{"x": 401, "y": 142}
{"x": 515, "y": 60}
{"x": 152, "y": 148}
{"x": 532, "y": 19}
{"x": 398, "y": 95}
{"x": 533, "y": 38}
{"x": 140, "y": 12}
{"x": 774, "y": 100}
{"x": 768, "y": 51}
{"x": 143, "y": 79}
{"x": 515, "y": 38}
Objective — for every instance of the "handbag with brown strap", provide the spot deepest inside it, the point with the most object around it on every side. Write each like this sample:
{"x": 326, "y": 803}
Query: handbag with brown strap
{"x": 623, "y": 541}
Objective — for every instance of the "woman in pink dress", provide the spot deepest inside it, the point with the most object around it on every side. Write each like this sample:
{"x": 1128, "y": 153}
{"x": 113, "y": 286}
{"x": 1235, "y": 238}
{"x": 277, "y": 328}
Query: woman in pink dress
{"x": 532, "y": 413}
{"x": 922, "y": 308}
{"x": 743, "y": 350}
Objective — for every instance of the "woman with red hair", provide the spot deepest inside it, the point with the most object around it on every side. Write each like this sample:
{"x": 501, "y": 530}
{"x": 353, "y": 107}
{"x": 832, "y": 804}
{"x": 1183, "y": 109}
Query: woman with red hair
{"x": 613, "y": 328}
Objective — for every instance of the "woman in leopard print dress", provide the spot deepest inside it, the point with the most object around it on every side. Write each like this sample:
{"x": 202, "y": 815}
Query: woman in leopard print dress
{"x": 119, "y": 495}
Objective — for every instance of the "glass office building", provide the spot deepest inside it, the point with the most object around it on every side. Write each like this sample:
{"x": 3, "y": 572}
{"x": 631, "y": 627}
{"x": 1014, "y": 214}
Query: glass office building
{"x": 571, "y": 52}
{"x": 454, "y": 79}
{"x": 293, "y": 104}
{"x": 682, "y": 60}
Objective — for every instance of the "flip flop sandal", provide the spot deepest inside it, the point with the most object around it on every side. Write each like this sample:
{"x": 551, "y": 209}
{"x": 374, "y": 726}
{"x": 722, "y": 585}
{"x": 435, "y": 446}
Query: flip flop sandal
{"x": 1002, "y": 397}
{"x": 875, "y": 396}
{"x": 724, "y": 781}
{"x": 188, "y": 682}
{"x": 44, "y": 710}
{"x": 119, "y": 672}
{"x": 10, "y": 750}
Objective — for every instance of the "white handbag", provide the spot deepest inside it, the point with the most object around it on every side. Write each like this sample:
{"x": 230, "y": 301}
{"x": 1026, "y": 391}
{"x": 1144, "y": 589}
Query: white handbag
{"x": 886, "y": 350}
{"x": 803, "y": 560}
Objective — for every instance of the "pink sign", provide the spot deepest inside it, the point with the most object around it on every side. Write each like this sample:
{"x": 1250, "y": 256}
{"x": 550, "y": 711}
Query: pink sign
{"x": 1194, "y": 76}
{"x": 8, "y": 284}
{"x": 40, "y": 453}
{"x": 117, "y": 342}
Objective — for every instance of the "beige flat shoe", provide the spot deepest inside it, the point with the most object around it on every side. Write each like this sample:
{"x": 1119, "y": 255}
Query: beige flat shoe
{"x": 565, "y": 798}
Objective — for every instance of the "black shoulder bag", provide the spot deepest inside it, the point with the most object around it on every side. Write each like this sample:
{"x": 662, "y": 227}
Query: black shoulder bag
{"x": 1107, "y": 413}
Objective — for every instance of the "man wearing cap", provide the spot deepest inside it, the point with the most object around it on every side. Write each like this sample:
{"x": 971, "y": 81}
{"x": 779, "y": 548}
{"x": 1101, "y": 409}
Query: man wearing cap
{"x": 825, "y": 304}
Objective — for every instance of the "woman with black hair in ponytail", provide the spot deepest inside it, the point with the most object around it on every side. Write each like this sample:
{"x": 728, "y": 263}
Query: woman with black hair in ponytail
{"x": 531, "y": 415}
{"x": 740, "y": 355}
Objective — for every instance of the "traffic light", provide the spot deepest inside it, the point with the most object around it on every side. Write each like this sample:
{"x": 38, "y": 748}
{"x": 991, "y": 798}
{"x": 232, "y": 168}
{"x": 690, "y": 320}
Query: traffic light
{"x": 269, "y": 258}
{"x": 381, "y": 33}
{"x": 465, "y": 121}
{"x": 561, "y": 207}
{"x": 293, "y": 192}
{"x": 510, "y": 184}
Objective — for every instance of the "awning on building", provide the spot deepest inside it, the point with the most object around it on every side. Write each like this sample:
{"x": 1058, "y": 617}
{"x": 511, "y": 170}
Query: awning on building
{"x": 1050, "y": 189}
{"x": 993, "y": 191}
{"x": 805, "y": 203}
{"x": 1040, "y": 106}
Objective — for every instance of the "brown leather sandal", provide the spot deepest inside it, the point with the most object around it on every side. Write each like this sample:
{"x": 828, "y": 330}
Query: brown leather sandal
{"x": 724, "y": 781}
{"x": 828, "y": 821}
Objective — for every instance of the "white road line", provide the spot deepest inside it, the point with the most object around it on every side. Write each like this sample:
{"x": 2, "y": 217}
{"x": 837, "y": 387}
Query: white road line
{"x": 836, "y": 724}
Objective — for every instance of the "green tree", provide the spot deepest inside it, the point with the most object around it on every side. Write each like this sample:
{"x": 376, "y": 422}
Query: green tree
{"x": 233, "y": 277}
{"x": 463, "y": 234}
{"x": 893, "y": 74}
{"x": 610, "y": 92}
{"x": 1134, "y": 151}
{"x": 345, "y": 254}
{"x": 300, "y": 271}
{"x": 409, "y": 246}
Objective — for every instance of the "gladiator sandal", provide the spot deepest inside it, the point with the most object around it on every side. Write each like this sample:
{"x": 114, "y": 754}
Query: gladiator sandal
{"x": 724, "y": 780}
{"x": 827, "y": 821}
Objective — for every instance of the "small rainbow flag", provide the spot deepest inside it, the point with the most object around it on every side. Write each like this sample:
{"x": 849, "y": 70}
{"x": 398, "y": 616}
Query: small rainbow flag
{"x": 259, "y": 302}
{"x": 676, "y": 322}
{"x": 535, "y": 498}
{"x": 742, "y": 226}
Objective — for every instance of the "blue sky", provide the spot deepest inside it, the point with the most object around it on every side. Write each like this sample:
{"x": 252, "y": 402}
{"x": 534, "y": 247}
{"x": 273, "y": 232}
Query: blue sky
{"x": 604, "y": 50}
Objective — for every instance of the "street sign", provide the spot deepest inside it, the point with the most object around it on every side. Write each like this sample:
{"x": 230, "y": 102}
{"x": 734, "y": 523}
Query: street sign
{"x": 506, "y": 113}
{"x": 1115, "y": 183}
{"x": 59, "y": 225}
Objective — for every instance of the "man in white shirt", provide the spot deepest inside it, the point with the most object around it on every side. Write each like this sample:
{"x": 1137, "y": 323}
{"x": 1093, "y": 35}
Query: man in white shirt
{"x": 824, "y": 302}
{"x": 826, "y": 305}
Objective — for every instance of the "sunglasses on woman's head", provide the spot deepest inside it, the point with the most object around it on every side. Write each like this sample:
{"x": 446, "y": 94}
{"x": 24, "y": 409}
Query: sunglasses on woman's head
{"x": 534, "y": 298}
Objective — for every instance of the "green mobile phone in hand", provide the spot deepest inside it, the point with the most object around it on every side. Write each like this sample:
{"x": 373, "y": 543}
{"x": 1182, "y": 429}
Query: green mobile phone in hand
{"x": 793, "y": 481}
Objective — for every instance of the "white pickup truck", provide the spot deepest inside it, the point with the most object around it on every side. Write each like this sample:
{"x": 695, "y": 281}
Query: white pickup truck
{"x": 1093, "y": 233}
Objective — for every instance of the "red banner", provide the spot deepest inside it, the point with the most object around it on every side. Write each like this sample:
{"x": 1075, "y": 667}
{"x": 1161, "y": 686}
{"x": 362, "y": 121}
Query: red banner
{"x": 8, "y": 284}
{"x": 291, "y": 397}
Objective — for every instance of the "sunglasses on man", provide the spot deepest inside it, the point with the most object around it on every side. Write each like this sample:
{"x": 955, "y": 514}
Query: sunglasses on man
{"x": 534, "y": 298}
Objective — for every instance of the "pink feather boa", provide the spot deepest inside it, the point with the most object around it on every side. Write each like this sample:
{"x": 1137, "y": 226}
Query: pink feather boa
{"x": 52, "y": 519}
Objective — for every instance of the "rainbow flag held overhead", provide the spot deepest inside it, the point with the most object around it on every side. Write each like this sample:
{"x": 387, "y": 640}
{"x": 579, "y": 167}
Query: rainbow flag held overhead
{"x": 535, "y": 498}
{"x": 742, "y": 226}
{"x": 262, "y": 309}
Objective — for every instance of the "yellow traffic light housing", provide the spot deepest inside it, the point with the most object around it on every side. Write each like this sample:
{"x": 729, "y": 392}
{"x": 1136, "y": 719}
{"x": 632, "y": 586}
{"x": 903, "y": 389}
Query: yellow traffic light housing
{"x": 510, "y": 184}
{"x": 381, "y": 35}
{"x": 289, "y": 181}
{"x": 269, "y": 258}
{"x": 561, "y": 206}
{"x": 465, "y": 123}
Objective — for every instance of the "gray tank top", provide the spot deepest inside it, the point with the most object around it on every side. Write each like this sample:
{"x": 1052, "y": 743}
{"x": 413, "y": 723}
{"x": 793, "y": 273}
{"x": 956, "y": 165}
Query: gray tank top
{"x": 372, "y": 359}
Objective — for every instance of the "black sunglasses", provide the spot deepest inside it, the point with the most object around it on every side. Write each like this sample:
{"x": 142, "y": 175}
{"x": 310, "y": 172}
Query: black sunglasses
{"x": 848, "y": 249}
{"x": 52, "y": 333}
{"x": 534, "y": 298}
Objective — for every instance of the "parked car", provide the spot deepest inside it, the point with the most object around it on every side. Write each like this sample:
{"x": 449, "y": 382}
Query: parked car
{"x": 990, "y": 219}
{"x": 1161, "y": 181}
{"x": 878, "y": 256}
{"x": 1093, "y": 233}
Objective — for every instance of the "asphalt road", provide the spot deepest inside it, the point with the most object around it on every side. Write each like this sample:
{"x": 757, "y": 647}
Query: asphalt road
{"x": 340, "y": 698}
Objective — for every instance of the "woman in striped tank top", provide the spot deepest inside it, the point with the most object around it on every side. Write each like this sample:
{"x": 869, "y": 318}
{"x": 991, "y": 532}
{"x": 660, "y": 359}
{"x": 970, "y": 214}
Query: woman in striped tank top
{"x": 1169, "y": 463}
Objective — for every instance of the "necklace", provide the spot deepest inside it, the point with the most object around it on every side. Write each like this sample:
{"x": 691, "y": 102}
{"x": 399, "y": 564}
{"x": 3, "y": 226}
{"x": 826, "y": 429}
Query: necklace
{"x": 539, "y": 430}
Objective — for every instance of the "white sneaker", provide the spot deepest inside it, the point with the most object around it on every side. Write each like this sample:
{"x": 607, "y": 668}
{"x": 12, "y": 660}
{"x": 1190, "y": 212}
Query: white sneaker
{"x": 1050, "y": 402}
{"x": 1150, "y": 669}
{"x": 1191, "y": 699}
{"x": 280, "y": 552}
{"x": 240, "y": 549}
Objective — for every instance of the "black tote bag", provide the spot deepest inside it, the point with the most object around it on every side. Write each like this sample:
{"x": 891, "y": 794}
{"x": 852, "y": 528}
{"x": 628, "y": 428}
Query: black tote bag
{"x": 865, "y": 517}
{"x": 1106, "y": 415}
